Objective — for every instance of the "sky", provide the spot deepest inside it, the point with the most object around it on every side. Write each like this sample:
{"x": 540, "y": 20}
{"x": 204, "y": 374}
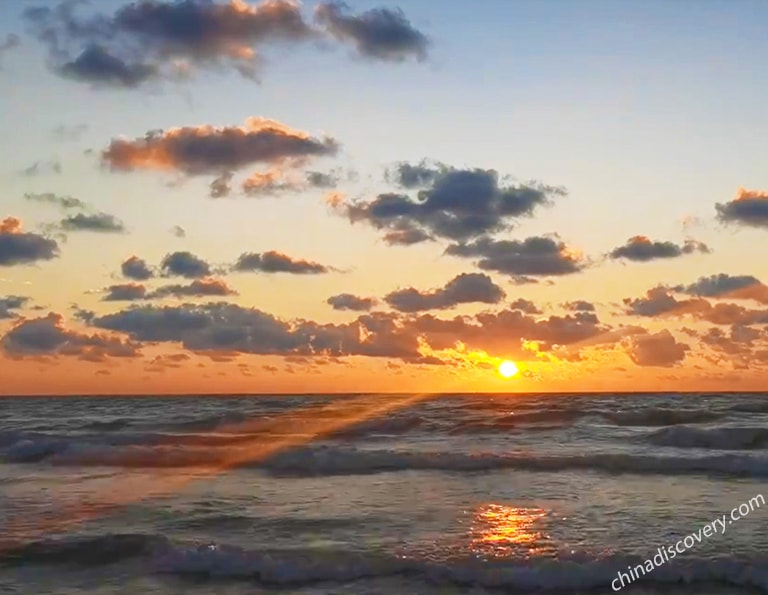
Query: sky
{"x": 210, "y": 196}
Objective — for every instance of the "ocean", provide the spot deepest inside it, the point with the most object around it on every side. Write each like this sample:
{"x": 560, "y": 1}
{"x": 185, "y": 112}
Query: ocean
{"x": 382, "y": 494}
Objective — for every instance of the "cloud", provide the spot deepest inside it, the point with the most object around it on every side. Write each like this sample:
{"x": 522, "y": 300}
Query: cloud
{"x": 580, "y": 306}
{"x": 524, "y": 305}
{"x": 534, "y": 256}
{"x": 42, "y": 167}
{"x": 316, "y": 179}
{"x": 416, "y": 175}
{"x": 125, "y": 292}
{"x": 18, "y": 247}
{"x": 197, "y": 288}
{"x": 656, "y": 349}
{"x": 223, "y": 327}
{"x": 178, "y": 231}
{"x": 458, "y": 205}
{"x": 9, "y": 303}
{"x": 48, "y": 336}
{"x": 379, "y": 33}
{"x": 150, "y": 39}
{"x": 353, "y": 303}
{"x": 73, "y": 132}
{"x": 135, "y": 268}
{"x": 642, "y": 249}
{"x": 64, "y": 202}
{"x": 184, "y": 264}
{"x": 275, "y": 262}
{"x": 10, "y": 42}
{"x": 462, "y": 289}
{"x": 220, "y": 152}
{"x": 748, "y": 207}
{"x": 659, "y": 301}
{"x": 98, "y": 222}
{"x": 722, "y": 285}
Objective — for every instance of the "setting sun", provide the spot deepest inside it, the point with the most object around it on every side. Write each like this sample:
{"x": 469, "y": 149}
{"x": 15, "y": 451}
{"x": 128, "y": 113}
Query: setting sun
{"x": 508, "y": 369}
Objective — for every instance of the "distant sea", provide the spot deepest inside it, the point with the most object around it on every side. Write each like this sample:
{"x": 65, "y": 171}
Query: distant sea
{"x": 380, "y": 494}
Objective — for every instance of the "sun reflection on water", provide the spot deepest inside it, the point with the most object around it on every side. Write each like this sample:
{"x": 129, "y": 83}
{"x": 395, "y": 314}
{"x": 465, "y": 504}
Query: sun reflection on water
{"x": 506, "y": 531}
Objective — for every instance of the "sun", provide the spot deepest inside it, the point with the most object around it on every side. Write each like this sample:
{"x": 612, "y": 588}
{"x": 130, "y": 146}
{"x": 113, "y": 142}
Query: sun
{"x": 508, "y": 369}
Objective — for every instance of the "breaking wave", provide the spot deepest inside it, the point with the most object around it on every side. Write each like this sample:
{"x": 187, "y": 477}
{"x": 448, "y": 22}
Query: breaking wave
{"x": 725, "y": 438}
{"x": 303, "y": 567}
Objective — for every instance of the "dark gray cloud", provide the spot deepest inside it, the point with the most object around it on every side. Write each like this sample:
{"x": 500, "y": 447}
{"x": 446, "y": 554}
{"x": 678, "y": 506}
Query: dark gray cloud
{"x": 9, "y": 303}
{"x": 136, "y": 268}
{"x": 749, "y": 208}
{"x": 659, "y": 301}
{"x": 98, "y": 222}
{"x": 221, "y": 185}
{"x": 656, "y": 349}
{"x": 125, "y": 292}
{"x": 327, "y": 180}
{"x": 353, "y": 303}
{"x": 463, "y": 289}
{"x": 152, "y": 38}
{"x": 18, "y": 247}
{"x": 642, "y": 249}
{"x": 184, "y": 264}
{"x": 97, "y": 66}
{"x": 458, "y": 205}
{"x": 276, "y": 262}
{"x": 524, "y": 305}
{"x": 197, "y": 288}
{"x": 208, "y": 150}
{"x": 47, "y": 336}
{"x": 64, "y": 202}
{"x": 580, "y": 306}
{"x": 178, "y": 231}
{"x": 534, "y": 256}
{"x": 379, "y": 33}
{"x": 722, "y": 285}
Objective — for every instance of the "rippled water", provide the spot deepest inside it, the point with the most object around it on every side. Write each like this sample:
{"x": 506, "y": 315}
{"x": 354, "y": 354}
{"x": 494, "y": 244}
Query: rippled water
{"x": 364, "y": 494}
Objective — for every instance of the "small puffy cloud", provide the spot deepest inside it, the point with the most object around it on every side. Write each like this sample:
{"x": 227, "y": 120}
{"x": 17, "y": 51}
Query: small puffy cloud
{"x": 656, "y": 349}
{"x": 462, "y": 289}
{"x": 196, "y": 150}
{"x": 18, "y": 247}
{"x": 136, "y": 268}
{"x": 579, "y": 306}
{"x": 643, "y": 249}
{"x": 458, "y": 205}
{"x": 659, "y": 301}
{"x": 327, "y": 180}
{"x": 197, "y": 288}
{"x": 379, "y": 33}
{"x": 353, "y": 303}
{"x": 276, "y": 262}
{"x": 98, "y": 222}
{"x": 534, "y": 256}
{"x": 149, "y": 39}
{"x": 48, "y": 336}
{"x": 524, "y": 305}
{"x": 722, "y": 285}
{"x": 125, "y": 292}
{"x": 268, "y": 183}
{"x": 9, "y": 303}
{"x": 184, "y": 264}
{"x": 748, "y": 207}
{"x": 64, "y": 202}
{"x": 72, "y": 132}
{"x": 178, "y": 231}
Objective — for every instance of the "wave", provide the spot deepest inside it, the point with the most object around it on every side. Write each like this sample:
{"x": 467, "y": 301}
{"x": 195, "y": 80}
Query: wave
{"x": 725, "y": 438}
{"x": 663, "y": 417}
{"x": 302, "y": 567}
{"x": 318, "y": 460}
